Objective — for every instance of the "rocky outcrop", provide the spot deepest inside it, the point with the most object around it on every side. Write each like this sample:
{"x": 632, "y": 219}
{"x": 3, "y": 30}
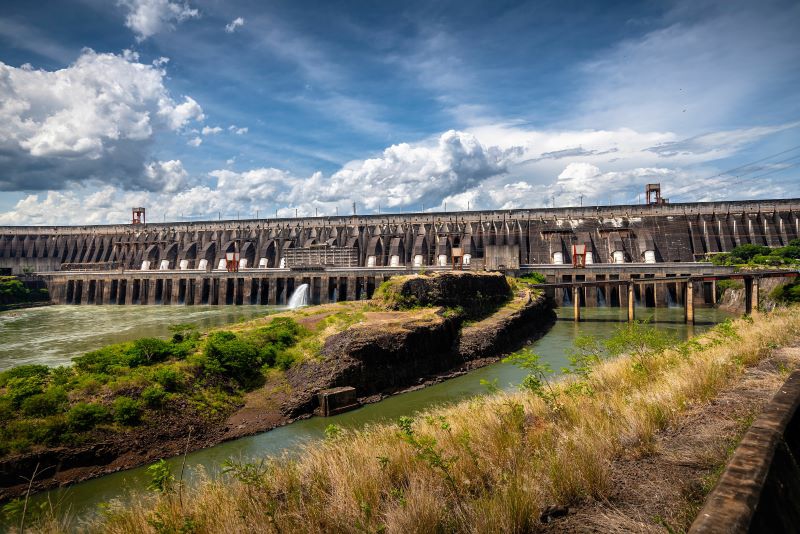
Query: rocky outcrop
{"x": 386, "y": 357}
{"x": 475, "y": 292}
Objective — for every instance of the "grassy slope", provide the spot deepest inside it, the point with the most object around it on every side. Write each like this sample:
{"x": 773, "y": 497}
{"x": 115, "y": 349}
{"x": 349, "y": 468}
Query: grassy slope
{"x": 485, "y": 465}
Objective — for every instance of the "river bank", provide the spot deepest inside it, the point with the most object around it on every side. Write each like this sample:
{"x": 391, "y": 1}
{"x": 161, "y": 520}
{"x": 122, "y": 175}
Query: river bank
{"x": 344, "y": 354}
{"x": 513, "y": 460}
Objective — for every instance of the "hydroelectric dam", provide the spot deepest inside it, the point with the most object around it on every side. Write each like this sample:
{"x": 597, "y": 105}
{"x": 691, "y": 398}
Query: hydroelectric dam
{"x": 262, "y": 261}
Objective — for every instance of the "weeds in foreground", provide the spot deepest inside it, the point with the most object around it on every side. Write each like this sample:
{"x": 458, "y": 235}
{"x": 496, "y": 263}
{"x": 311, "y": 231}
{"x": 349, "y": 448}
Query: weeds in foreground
{"x": 488, "y": 464}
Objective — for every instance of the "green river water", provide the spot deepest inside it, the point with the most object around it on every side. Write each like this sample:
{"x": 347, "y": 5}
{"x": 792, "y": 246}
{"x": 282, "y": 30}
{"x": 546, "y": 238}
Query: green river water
{"x": 52, "y": 335}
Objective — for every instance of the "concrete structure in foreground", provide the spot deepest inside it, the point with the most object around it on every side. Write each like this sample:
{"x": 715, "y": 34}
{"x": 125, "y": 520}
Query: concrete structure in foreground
{"x": 347, "y": 257}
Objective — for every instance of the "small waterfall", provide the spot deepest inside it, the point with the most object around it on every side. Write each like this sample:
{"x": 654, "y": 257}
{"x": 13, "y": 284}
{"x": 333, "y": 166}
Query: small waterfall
{"x": 670, "y": 299}
{"x": 299, "y": 297}
{"x": 601, "y": 298}
{"x": 567, "y": 300}
{"x": 335, "y": 295}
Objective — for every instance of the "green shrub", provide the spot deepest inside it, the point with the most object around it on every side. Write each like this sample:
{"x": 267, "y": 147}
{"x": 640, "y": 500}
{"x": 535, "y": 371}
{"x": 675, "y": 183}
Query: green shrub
{"x": 227, "y": 355}
{"x": 745, "y": 253}
{"x": 150, "y": 350}
{"x": 169, "y": 378}
{"x": 51, "y": 402}
{"x": 24, "y": 371}
{"x": 127, "y": 411}
{"x": 106, "y": 360}
{"x": 6, "y": 410}
{"x": 85, "y": 415}
{"x": 154, "y": 395}
{"x": 536, "y": 278}
{"x": 786, "y": 293}
{"x": 284, "y": 360}
{"x": 19, "y": 389}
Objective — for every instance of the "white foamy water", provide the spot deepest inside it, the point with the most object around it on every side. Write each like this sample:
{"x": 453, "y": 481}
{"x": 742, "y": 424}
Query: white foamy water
{"x": 53, "y": 335}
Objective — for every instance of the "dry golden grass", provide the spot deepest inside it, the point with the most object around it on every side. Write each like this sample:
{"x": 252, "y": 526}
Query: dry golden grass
{"x": 489, "y": 464}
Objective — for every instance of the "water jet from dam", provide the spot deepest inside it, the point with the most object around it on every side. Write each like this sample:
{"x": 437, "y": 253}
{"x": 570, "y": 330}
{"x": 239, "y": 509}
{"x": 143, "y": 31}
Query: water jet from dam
{"x": 299, "y": 298}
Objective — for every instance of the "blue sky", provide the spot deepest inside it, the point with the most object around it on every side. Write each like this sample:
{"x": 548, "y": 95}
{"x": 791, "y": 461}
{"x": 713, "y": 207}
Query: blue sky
{"x": 199, "y": 109}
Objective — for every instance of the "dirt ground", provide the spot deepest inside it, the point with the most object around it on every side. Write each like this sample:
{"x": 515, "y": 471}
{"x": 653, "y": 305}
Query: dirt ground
{"x": 663, "y": 492}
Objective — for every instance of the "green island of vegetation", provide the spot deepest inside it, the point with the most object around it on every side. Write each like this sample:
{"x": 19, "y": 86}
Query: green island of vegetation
{"x": 117, "y": 386}
{"x": 13, "y": 291}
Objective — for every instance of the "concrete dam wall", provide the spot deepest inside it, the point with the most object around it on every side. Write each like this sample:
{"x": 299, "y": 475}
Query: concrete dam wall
{"x": 140, "y": 263}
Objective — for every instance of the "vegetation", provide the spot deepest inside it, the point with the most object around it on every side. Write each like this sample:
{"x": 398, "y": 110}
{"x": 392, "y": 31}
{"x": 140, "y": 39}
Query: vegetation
{"x": 760, "y": 256}
{"x": 122, "y": 385}
{"x": 534, "y": 278}
{"x": 787, "y": 293}
{"x": 13, "y": 291}
{"x": 489, "y": 464}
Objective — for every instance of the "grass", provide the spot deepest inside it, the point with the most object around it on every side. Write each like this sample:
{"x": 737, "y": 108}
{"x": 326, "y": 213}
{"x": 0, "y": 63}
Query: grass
{"x": 489, "y": 464}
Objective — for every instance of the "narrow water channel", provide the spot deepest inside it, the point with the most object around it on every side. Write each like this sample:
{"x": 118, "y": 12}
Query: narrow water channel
{"x": 82, "y": 499}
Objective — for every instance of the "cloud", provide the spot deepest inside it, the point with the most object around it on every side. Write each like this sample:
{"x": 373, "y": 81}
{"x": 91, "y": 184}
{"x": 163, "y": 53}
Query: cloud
{"x": 703, "y": 65}
{"x": 168, "y": 176}
{"x": 718, "y": 143}
{"x": 149, "y": 17}
{"x": 93, "y": 120}
{"x": 195, "y": 142}
{"x": 208, "y": 130}
{"x": 238, "y": 131}
{"x": 235, "y": 23}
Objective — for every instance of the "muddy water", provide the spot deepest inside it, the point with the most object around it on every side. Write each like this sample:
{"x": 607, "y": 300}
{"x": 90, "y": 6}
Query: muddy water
{"x": 82, "y": 499}
{"x": 52, "y": 335}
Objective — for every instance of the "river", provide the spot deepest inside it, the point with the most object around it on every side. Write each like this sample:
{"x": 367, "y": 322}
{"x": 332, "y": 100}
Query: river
{"x": 82, "y": 499}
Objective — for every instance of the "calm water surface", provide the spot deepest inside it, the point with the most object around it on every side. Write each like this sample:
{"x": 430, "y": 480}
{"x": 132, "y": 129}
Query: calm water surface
{"x": 82, "y": 499}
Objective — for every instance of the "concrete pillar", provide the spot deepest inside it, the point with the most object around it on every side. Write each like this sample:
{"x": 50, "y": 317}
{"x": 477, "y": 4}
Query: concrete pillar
{"x": 247, "y": 290}
{"x": 85, "y": 292}
{"x": 631, "y": 303}
{"x": 689, "y": 302}
{"x": 198, "y": 291}
{"x": 272, "y": 296}
{"x": 714, "y": 292}
{"x": 106, "y": 299}
{"x": 324, "y": 295}
{"x": 129, "y": 284}
{"x": 576, "y": 302}
{"x": 755, "y": 293}
{"x": 175, "y": 290}
{"x": 660, "y": 294}
{"x": 351, "y": 287}
{"x": 591, "y": 293}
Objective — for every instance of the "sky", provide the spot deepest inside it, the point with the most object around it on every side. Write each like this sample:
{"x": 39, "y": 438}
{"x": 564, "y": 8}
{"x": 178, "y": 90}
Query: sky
{"x": 207, "y": 109}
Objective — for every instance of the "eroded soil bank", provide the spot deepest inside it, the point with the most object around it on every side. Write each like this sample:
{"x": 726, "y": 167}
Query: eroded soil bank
{"x": 387, "y": 352}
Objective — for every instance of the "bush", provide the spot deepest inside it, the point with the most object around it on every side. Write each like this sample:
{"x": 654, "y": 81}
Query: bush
{"x": 19, "y": 389}
{"x": 535, "y": 278}
{"x": 24, "y": 371}
{"x": 284, "y": 360}
{"x": 51, "y": 402}
{"x": 169, "y": 378}
{"x": 786, "y": 293}
{"x": 127, "y": 411}
{"x": 85, "y": 415}
{"x": 105, "y": 360}
{"x": 154, "y": 395}
{"x": 150, "y": 350}
{"x": 230, "y": 356}
{"x": 744, "y": 253}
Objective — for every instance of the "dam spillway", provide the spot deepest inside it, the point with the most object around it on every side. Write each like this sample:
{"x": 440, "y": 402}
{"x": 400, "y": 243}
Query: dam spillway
{"x": 347, "y": 257}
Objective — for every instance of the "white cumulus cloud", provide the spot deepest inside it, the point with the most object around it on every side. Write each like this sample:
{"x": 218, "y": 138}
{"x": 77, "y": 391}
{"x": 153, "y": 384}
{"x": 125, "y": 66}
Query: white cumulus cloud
{"x": 94, "y": 119}
{"x": 208, "y": 130}
{"x": 235, "y": 23}
{"x": 149, "y": 17}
